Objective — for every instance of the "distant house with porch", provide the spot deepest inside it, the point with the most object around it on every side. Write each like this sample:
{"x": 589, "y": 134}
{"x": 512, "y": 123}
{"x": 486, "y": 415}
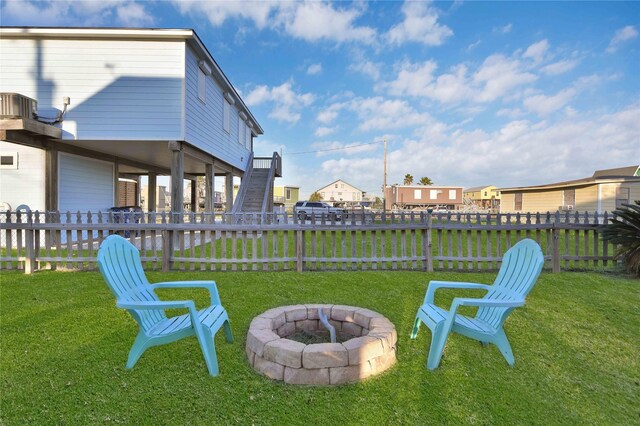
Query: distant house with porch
{"x": 286, "y": 196}
{"x": 486, "y": 197}
{"x": 83, "y": 108}
{"x": 341, "y": 194}
{"x": 420, "y": 196}
{"x": 604, "y": 191}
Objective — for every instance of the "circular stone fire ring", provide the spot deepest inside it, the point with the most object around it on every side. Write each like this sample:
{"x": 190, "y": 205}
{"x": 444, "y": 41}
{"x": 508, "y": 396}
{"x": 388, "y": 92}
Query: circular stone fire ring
{"x": 370, "y": 351}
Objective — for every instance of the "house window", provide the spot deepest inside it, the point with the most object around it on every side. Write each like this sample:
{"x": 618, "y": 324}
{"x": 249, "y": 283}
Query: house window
{"x": 288, "y": 194}
{"x": 517, "y": 201}
{"x": 342, "y": 185}
{"x": 322, "y": 195}
{"x": 353, "y": 195}
{"x": 241, "y": 131}
{"x": 433, "y": 194}
{"x": 336, "y": 185}
{"x": 569, "y": 197}
{"x": 339, "y": 193}
{"x": 486, "y": 194}
{"x": 202, "y": 86}
{"x": 417, "y": 194}
{"x": 622, "y": 197}
{"x": 226, "y": 122}
{"x": 452, "y": 194}
{"x": 9, "y": 161}
{"x": 247, "y": 141}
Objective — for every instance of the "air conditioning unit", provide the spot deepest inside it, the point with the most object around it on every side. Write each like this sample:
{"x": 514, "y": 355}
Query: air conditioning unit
{"x": 15, "y": 105}
{"x": 567, "y": 207}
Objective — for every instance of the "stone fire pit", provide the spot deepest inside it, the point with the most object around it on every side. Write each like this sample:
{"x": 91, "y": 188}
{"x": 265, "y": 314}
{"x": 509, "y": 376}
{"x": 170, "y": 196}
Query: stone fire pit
{"x": 369, "y": 348}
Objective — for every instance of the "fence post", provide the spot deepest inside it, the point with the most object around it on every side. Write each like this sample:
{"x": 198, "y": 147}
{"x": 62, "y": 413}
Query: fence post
{"x": 555, "y": 233}
{"x": 29, "y": 241}
{"x": 167, "y": 249}
{"x": 300, "y": 249}
{"x": 427, "y": 248}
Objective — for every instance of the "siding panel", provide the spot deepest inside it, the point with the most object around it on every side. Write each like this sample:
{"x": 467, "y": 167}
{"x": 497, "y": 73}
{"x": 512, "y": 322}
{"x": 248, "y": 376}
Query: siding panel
{"x": 119, "y": 89}
{"x": 204, "y": 119}
{"x": 26, "y": 184}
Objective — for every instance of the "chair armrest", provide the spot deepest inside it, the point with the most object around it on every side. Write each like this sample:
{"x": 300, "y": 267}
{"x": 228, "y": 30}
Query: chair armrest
{"x": 174, "y": 304}
{"x": 210, "y": 285}
{"x": 463, "y": 301}
{"x": 434, "y": 285}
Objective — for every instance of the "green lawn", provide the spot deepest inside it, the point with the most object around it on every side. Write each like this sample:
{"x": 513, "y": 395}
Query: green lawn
{"x": 64, "y": 346}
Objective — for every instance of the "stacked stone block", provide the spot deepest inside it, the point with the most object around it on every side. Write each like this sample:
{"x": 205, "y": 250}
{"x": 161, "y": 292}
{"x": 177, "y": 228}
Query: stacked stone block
{"x": 370, "y": 351}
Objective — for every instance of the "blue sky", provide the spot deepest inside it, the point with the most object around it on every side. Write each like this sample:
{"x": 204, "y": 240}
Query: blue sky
{"x": 466, "y": 93}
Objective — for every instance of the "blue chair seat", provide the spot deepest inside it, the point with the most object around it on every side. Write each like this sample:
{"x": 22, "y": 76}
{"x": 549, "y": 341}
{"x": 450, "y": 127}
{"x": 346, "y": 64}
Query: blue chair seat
{"x": 518, "y": 273}
{"x": 120, "y": 266}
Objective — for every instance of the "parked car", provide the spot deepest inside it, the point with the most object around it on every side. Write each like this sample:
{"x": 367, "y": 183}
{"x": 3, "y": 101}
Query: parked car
{"x": 306, "y": 209}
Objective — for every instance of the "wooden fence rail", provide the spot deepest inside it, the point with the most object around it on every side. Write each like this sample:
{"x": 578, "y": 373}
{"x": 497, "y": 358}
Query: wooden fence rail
{"x": 362, "y": 240}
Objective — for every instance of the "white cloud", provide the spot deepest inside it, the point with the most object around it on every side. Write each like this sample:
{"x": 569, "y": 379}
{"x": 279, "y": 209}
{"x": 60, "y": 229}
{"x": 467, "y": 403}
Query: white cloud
{"x": 473, "y": 45}
{"x": 413, "y": 79}
{"x": 324, "y": 131}
{"x": 378, "y": 113}
{"x": 623, "y": 34}
{"x": 76, "y": 13}
{"x": 520, "y": 152}
{"x": 134, "y": 15}
{"x": 314, "y": 21}
{"x": 420, "y": 25}
{"x": 537, "y": 51}
{"x": 545, "y": 105}
{"x": 559, "y": 67}
{"x": 328, "y": 115}
{"x": 217, "y": 12}
{"x": 498, "y": 76}
{"x": 314, "y": 69}
{"x": 287, "y": 104}
{"x": 368, "y": 68}
{"x": 506, "y": 29}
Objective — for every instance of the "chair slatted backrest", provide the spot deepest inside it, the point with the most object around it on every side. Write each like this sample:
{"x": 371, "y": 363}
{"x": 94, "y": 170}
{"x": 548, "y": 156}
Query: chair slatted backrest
{"x": 120, "y": 266}
{"x": 521, "y": 266}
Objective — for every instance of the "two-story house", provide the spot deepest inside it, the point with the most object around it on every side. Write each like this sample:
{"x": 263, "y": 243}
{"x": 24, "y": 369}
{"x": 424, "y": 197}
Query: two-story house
{"x": 341, "y": 194}
{"x": 83, "y": 107}
{"x": 486, "y": 197}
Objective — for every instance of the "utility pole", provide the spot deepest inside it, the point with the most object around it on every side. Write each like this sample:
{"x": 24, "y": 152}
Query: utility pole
{"x": 384, "y": 184}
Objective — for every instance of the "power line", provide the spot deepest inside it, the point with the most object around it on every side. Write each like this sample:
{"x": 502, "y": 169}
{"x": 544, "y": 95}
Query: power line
{"x": 332, "y": 149}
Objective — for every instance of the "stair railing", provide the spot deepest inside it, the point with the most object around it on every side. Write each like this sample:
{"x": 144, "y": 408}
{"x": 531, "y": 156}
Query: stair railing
{"x": 268, "y": 194}
{"x": 242, "y": 191}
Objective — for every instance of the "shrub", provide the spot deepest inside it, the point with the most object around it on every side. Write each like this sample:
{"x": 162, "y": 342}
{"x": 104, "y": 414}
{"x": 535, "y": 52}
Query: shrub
{"x": 624, "y": 230}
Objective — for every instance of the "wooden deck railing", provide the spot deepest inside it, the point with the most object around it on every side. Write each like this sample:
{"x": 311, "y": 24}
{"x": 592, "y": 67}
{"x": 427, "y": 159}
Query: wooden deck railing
{"x": 277, "y": 241}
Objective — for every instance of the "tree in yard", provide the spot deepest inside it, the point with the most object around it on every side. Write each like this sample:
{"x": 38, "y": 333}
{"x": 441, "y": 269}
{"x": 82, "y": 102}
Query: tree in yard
{"x": 624, "y": 230}
{"x": 315, "y": 197}
{"x": 408, "y": 179}
{"x": 377, "y": 203}
{"x": 425, "y": 181}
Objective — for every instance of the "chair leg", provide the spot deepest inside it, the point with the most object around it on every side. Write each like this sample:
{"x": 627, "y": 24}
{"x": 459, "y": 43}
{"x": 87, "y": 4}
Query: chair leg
{"x": 227, "y": 331}
{"x": 438, "y": 340}
{"x": 505, "y": 348}
{"x": 139, "y": 346}
{"x": 416, "y": 327}
{"x": 207, "y": 344}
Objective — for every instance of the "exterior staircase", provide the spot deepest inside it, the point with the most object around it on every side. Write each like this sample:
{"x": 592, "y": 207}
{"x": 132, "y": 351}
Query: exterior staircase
{"x": 256, "y": 190}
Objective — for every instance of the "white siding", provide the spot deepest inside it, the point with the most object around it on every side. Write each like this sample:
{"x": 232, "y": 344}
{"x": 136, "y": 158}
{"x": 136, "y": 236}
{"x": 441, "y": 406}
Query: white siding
{"x": 204, "y": 120}
{"x": 119, "y": 89}
{"x": 84, "y": 184}
{"x": 26, "y": 184}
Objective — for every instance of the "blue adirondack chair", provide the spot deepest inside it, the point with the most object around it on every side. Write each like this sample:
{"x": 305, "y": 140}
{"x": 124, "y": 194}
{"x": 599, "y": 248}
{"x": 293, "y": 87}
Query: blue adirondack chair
{"x": 518, "y": 273}
{"x": 119, "y": 263}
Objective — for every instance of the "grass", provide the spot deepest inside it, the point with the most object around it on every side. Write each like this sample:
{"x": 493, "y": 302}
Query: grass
{"x": 64, "y": 346}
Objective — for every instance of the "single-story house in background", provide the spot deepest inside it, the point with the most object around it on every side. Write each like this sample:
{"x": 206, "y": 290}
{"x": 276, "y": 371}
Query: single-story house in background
{"x": 486, "y": 197}
{"x": 605, "y": 191}
{"x": 420, "y": 196}
{"x": 340, "y": 193}
{"x": 83, "y": 108}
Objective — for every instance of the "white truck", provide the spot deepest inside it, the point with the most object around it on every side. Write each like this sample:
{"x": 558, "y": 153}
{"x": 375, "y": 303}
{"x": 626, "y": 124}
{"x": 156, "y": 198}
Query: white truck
{"x": 308, "y": 209}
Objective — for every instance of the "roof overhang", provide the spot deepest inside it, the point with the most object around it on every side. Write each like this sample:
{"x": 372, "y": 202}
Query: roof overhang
{"x": 580, "y": 183}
